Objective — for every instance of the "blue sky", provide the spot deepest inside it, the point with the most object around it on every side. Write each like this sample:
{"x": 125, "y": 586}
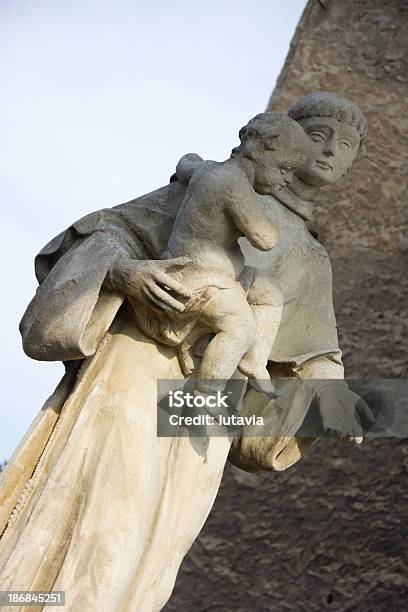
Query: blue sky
{"x": 100, "y": 99}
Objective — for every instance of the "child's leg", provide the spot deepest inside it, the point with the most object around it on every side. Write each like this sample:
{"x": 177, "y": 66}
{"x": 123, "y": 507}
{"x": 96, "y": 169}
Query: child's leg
{"x": 184, "y": 349}
{"x": 229, "y": 315}
{"x": 266, "y": 300}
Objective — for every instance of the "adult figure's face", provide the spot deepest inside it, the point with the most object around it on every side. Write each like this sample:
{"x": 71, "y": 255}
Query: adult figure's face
{"x": 334, "y": 147}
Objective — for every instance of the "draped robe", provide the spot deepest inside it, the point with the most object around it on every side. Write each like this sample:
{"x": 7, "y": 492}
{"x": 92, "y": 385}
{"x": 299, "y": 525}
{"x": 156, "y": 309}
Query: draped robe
{"x": 93, "y": 502}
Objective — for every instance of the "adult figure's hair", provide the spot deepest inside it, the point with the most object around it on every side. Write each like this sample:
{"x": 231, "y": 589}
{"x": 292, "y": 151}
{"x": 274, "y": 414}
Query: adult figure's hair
{"x": 327, "y": 104}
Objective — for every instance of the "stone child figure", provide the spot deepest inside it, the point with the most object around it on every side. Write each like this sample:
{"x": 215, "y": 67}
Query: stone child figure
{"x": 219, "y": 207}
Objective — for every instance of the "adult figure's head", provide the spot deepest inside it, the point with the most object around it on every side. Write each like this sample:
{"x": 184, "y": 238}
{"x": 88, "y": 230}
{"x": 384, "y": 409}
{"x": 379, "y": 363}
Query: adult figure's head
{"x": 336, "y": 128}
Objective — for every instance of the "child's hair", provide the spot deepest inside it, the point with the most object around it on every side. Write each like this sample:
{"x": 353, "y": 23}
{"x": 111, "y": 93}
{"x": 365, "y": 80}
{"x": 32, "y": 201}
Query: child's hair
{"x": 327, "y": 104}
{"x": 268, "y": 127}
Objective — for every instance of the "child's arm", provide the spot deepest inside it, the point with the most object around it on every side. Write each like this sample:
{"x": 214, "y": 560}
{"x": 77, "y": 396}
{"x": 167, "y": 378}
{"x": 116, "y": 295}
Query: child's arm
{"x": 250, "y": 217}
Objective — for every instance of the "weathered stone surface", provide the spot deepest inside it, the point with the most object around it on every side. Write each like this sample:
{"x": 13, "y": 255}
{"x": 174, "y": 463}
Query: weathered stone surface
{"x": 95, "y": 439}
{"x": 330, "y": 533}
{"x": 359, "y": 48}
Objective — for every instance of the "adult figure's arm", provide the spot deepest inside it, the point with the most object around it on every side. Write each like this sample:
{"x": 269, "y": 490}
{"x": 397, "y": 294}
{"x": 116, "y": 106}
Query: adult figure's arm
{"x": 85, "y": 273}
{"x": 343, "y": 413}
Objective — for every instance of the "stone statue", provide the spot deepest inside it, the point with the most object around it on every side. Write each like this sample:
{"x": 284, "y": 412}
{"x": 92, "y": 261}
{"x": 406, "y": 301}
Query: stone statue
{"x": 307, "y": 336}
{"x": 92, "y": 501}
{"x": 220, "y": 205}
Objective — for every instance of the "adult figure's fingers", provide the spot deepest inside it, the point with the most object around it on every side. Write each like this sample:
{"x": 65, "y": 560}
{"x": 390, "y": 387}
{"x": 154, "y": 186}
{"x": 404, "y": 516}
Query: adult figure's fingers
{"x": 161, "y": 296}
{"x": 351, "y": 434}
{"x": 156, "y": 304}
{"x": 365, "y": 413}
{"x": 339, "y": 413}
{"x": 167, "y": 281}
{"x": 353, "y": 439}
{"x": 364, "y": 420}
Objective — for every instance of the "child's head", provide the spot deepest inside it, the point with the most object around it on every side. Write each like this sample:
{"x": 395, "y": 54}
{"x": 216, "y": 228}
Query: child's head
{"x": 277, "y": 146}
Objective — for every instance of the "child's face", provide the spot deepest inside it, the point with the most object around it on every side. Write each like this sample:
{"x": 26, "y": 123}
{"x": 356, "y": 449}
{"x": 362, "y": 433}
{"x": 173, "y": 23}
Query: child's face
{"x": 275, "y": 167}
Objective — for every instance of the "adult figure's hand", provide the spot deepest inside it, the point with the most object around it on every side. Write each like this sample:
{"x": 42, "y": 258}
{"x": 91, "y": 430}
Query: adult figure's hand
{"x": 343, "y": 413}
{"x": 150, "y": 282}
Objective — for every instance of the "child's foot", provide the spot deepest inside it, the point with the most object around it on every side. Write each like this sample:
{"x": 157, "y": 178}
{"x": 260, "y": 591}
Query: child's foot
{"x": 262, "y": 382}
{"x": 248, "y": 365}
{"x": 259, "y": 377}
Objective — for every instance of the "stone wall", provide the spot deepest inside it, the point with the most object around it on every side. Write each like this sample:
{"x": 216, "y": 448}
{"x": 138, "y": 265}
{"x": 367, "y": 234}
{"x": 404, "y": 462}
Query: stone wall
{"x": 359, "y": 48}
{"x": 331, "y": 532}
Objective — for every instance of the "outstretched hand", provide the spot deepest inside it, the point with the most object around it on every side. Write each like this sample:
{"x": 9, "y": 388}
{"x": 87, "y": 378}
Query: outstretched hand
{"x": 344, "y": 414}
